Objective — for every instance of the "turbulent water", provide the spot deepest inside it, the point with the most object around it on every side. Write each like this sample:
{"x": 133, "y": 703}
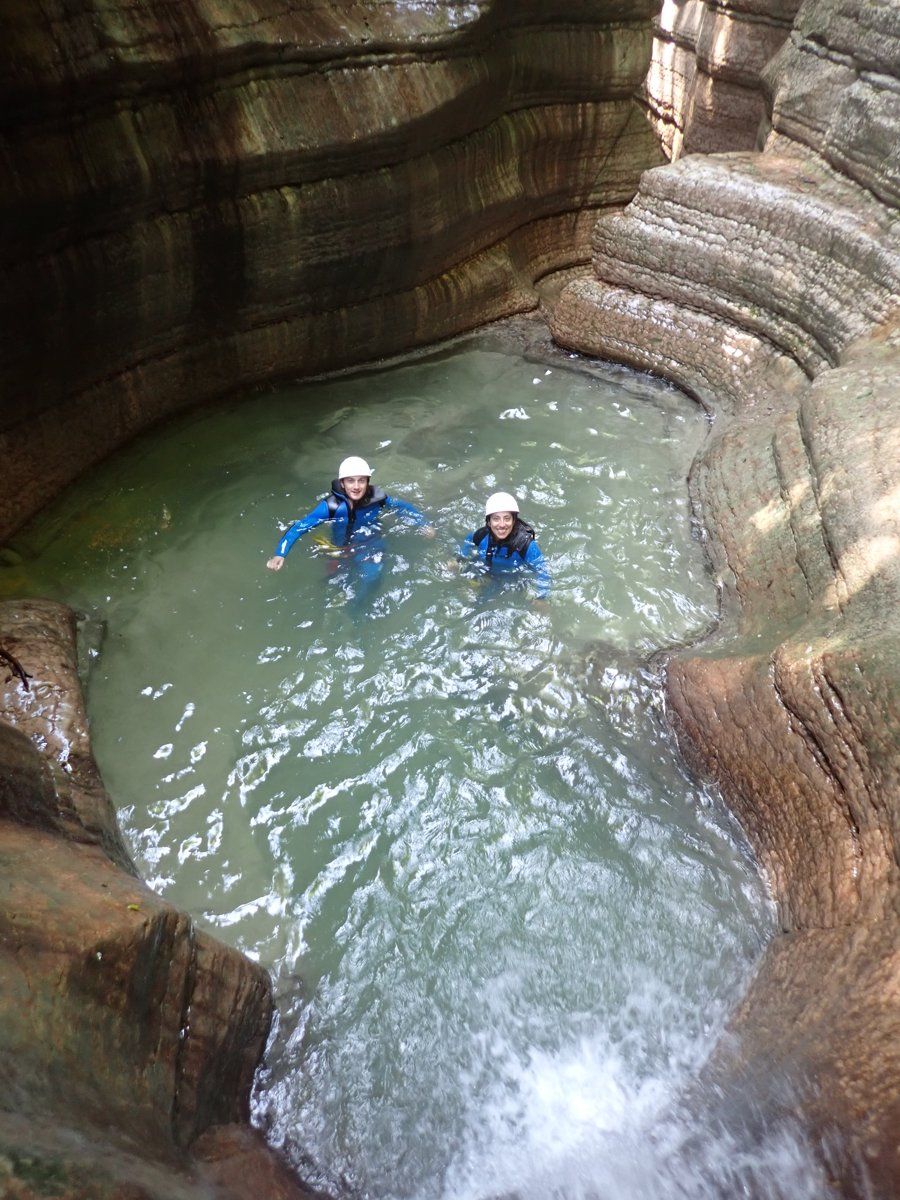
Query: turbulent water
{"x": 504, "y": 925}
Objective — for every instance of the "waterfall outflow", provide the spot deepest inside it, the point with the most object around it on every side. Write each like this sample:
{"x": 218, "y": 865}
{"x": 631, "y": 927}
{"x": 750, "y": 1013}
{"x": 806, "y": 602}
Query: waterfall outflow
{"x": 614, "y": 1115}
{"x": 499, "y": 972}
{"x": 582, "y": 1125}
{"x": 452, "y": 823}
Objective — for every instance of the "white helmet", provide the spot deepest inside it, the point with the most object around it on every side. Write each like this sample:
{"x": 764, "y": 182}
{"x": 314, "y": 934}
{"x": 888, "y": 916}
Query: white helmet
{"x": 353, "y": 466}
{"x": 500, "y": 502}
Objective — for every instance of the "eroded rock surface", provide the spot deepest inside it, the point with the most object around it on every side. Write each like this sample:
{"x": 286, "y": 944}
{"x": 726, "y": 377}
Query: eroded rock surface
{"x": 768, "y": 285}
{"x": 198, "y": 197}
{"x": 705, "y": 89}
{"x": 127, "y": 1032}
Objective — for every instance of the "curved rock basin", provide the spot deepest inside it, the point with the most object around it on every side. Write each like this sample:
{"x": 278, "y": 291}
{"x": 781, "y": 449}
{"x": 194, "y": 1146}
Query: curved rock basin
{"x": 505, "y": 927}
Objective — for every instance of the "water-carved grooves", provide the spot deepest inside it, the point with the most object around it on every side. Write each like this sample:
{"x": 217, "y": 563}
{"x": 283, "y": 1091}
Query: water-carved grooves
{"x": 837, "y": 881}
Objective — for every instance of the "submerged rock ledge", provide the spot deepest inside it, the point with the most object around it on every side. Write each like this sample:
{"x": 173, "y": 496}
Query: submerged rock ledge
{"x": 767, "y": 285}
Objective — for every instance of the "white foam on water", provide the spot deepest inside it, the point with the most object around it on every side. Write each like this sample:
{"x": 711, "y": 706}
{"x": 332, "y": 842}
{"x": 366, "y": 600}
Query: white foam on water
{"x": 503, "y": 924}
{"x": 580, "y": 1124}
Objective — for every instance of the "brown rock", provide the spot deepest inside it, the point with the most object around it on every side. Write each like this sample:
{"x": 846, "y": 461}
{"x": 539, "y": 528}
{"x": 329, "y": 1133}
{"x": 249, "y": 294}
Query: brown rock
{"x": 768, "y": 285}
{"x": 237, "y": 1161}
{"x": 834, "y": 89}
{"x": 705, "y": 88}
{"x": 122, "y": 1024}
{"x": 196, "y": 198}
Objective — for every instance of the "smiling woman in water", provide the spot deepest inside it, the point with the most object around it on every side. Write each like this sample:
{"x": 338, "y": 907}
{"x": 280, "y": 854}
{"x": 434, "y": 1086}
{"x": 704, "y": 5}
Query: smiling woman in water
{"x": 506, "y": 544}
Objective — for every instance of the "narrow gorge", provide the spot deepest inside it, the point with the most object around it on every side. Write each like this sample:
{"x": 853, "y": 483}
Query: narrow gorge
{"x": 205, "y": 197}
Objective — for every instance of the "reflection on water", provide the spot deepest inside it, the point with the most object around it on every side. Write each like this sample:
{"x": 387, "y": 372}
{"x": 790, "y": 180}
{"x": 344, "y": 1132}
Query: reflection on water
{"x": 504, "y": 926}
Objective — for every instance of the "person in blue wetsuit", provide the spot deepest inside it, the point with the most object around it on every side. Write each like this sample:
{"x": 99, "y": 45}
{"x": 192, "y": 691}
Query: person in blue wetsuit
{"x": 505, "y": 543}
{"x": 353, "y": 510}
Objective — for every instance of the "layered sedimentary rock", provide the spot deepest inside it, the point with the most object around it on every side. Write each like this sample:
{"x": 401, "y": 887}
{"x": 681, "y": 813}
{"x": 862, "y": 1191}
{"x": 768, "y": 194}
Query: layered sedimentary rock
{"x": 834, "y": 90}
{"x": 199, "y": 197}
{"x": 768, "y": 285}
{"x": 705, "y": 90}
{"x": 130, "y": 1037}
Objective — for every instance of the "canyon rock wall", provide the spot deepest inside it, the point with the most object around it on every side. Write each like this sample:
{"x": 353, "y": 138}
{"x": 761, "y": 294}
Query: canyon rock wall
{"x": 130, "y": 1036}
{"x": 767, "y": 284}
{"x": 705, "y": 89}
{"x": 203, "y": 196}
{"x": 196, "y": 198}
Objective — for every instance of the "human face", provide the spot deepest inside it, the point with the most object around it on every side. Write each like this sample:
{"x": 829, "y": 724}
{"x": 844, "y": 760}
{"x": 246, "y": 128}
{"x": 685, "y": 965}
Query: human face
{"x": 355, "y": 486}
{"x": 501, "y": 524}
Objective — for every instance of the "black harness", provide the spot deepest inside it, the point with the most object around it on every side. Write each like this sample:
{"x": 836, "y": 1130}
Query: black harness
{"x": 518, "y": 541}
{"x": 374, "y": 498}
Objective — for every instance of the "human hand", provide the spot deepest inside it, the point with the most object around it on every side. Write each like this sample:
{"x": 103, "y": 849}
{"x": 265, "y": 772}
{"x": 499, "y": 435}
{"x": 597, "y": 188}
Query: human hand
{"x": 275, "y": 563}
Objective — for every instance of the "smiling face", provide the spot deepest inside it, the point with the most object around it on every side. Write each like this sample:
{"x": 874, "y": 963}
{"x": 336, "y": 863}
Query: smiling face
{"x": 501, "y": 524}
{"x": 355, "y": 486}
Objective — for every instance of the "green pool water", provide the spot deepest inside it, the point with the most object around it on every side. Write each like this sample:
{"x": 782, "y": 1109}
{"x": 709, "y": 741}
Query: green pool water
{"x": 504, "y": 925}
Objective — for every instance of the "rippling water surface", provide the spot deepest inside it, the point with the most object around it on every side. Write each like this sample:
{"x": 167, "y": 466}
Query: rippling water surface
{"x": 503, "y": 924}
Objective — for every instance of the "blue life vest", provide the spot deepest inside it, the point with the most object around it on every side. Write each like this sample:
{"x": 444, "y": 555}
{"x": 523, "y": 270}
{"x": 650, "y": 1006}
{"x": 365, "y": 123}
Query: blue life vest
{"x": 518, "y": 541}
{"x": 373, "y": 498}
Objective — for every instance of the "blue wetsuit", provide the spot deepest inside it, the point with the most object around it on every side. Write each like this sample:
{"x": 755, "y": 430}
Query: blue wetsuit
{"x": 357, "y": 529}
{"x": 355, "y": 526}
{"x": 514, "y": 553}
{"x": 349, "y": 525}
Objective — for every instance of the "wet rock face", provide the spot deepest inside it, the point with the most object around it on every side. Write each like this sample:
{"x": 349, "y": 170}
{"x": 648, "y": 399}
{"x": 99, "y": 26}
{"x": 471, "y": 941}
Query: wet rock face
{"x": 705, "y": 90}
{"x": 198, "y": 197}
{"x": 768, "y": 285}
{"x": 127, "y": 1032}
{"x": 195, "y": 198}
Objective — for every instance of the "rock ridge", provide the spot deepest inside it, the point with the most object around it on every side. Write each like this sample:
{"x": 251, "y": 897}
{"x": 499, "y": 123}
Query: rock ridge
{"x": 767, "y": 284}
{"x": 705, "y": 90}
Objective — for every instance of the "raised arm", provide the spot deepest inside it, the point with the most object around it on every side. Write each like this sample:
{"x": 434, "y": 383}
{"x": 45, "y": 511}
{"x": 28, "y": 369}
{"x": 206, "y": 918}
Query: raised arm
{"x": 401, "y": 506}
{"x": 467, "y": 549}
